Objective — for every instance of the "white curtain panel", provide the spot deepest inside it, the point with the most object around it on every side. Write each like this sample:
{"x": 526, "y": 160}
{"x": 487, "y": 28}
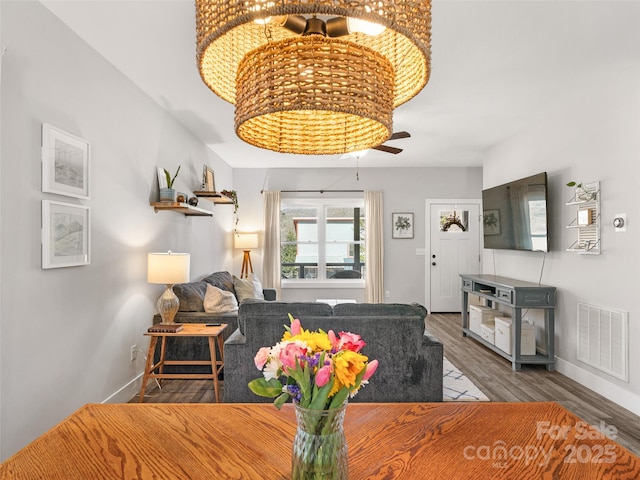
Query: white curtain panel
{"x": 374, "y": 253}
{"x": 271, "y": 258}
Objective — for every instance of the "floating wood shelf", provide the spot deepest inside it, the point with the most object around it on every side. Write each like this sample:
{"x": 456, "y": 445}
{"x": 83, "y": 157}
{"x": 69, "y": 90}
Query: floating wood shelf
{"x": 185, "y": 208}
{"x": 214, "y": 197}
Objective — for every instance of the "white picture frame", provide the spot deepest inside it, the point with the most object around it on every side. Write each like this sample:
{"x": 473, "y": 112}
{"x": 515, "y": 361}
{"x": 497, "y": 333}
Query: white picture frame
{"x": 65, "y": 163}
{"x": 162, "y": 178}
{"x": 66, "y": 234}
{"x": 584, "y": 217}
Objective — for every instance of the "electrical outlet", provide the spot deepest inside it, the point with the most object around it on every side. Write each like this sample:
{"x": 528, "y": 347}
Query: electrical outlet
{"x": 387, "y": 294}
{"x": 134, "y": 352}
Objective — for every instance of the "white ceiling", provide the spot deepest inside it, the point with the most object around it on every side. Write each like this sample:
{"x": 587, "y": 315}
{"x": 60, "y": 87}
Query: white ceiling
{"x": 495, "y": 66}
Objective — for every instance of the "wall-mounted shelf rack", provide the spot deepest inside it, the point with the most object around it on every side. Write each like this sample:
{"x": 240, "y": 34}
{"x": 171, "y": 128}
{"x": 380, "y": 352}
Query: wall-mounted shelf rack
{"x": 184, "y": 208}
{"x": 586, "y": 201}
{"x": 214, "y": 197}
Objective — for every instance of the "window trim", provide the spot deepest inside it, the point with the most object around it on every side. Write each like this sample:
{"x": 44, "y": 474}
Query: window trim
{"x": 322, "y": 203}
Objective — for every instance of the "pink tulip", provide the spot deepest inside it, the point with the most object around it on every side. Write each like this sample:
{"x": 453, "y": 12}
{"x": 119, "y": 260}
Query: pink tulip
{"x": 323, "y": 376}
{"x": 296, "y": 328}
{"x": 261, "y": 357}
{"x": 332, "y": 339}
{"x": 350, "y": 341}
{"x": 289, "y": 354}
{"x": 372, "y": 366}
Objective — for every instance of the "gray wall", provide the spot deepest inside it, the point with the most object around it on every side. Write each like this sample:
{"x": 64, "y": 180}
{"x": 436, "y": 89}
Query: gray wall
{"x": 589, "y": 135}
{"x": 67, "y": 332}
{"x": 404, "y": 189}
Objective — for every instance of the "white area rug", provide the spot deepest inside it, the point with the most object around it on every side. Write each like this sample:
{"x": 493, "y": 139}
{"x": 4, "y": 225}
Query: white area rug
{"x": 457, "y": 387}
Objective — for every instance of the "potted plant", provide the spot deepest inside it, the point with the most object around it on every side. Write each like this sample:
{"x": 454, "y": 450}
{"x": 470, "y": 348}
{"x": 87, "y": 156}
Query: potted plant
{"x": 582, "y": 194}
{"x": 168, "y": 194}
{"x": 233, "y": 195}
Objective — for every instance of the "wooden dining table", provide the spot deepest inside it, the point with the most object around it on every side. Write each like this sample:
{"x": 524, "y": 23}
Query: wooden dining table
{"x": 410, "y": 441}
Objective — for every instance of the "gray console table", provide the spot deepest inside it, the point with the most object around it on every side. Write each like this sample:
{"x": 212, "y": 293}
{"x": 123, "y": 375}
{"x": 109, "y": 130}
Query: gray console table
{"x": 517, "y": 295}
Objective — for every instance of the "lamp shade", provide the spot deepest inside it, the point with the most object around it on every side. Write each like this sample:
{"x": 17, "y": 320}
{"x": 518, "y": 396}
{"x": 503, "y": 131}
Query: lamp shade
{"x": 246, "y": 241}
{"x": 168, "y": 268}
{"x": 314, "y": 95}
{"x": 314, "y": 77}
{"x": 227, "y": 31}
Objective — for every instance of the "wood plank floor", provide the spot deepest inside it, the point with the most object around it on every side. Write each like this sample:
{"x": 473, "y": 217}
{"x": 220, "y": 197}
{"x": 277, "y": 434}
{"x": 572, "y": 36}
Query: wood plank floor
{"x": 490, "y": 372}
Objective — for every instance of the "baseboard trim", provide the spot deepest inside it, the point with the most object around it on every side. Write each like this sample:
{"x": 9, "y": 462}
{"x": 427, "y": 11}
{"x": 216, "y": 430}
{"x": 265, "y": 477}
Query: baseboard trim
{"x": 604, "y": 387}
{"x": 127, "y": 392}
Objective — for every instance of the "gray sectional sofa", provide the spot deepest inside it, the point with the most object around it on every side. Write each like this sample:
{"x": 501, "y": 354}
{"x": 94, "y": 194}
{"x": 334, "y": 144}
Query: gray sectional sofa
{"x": 410, "y": 358}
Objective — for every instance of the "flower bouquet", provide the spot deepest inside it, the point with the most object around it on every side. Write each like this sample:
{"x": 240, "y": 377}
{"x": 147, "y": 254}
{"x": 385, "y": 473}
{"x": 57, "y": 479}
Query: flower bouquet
{"x": 319, "y": 371}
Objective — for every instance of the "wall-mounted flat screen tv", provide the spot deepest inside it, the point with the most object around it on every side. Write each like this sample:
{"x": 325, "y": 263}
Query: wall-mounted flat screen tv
{"x": 514, "y": 215}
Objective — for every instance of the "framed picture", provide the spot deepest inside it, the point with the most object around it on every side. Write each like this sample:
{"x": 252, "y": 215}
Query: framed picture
{"x": 402, "y": 224}
{"x": 585, "y": 217}
{"x": 208, "y": 180}
{"x": 65, "y": 163}
{"x": 491, "y": 222}
{"x": 162, "y": 178}
{"x": 65, "y": 234}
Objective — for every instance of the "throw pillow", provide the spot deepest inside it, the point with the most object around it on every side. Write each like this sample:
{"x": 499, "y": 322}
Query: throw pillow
{"x": 248, "y": 288}
{"x": 222, "y": 280}
{"x": 219, "y": 301}
{"x": 190, "y": 296}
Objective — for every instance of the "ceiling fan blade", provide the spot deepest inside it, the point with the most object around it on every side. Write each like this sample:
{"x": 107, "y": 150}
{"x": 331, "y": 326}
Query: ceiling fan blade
{"x": 388, "y": 149}
{"x": 397, "y": 135}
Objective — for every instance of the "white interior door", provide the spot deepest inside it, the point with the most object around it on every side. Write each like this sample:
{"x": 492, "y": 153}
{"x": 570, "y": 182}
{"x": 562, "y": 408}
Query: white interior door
{"x": 455, "y": 231}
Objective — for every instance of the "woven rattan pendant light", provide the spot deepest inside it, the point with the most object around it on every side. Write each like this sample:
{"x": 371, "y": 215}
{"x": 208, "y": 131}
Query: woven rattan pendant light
{"x": 328, "y": 90}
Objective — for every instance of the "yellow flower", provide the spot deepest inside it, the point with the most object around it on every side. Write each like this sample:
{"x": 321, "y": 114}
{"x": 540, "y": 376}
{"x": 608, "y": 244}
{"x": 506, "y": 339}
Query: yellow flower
{"x": 316, "y": 341}
{"x": 347, "y": 364}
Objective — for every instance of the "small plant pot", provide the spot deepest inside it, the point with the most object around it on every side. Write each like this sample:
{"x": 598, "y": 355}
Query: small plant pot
{"x": 167, "y": 195}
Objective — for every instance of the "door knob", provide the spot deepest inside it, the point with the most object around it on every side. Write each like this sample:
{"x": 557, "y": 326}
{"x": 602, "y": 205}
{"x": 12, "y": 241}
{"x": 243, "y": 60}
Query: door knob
{"x": 433, "y": 263}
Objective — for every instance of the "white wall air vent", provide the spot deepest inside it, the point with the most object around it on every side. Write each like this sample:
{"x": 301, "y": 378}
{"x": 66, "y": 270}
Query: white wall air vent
{"x": 603, "y": 339}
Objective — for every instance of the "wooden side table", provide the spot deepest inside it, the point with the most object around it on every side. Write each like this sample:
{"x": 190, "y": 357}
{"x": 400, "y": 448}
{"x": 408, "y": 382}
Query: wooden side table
{"x": 213, "y": 333}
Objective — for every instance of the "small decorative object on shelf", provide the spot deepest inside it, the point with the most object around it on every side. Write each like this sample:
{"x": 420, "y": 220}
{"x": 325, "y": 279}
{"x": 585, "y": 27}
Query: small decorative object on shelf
{"x": 208, "y": 180}
{"x": 233, "y": 195}
{"x": 321, "y": 370}
{"x": 583, "y": 194}
{"x": 167, "y": 192}
{"x": 193, "y": 201}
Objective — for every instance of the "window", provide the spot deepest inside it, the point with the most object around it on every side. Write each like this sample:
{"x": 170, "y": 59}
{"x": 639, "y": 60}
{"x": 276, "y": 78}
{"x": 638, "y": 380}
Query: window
{"x": 322, "y": 239}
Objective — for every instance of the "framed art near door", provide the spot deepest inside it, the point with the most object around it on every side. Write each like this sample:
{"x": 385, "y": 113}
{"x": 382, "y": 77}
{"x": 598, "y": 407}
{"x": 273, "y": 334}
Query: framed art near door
{"x": 65, "y": 234}
{"x": 402, "y": 225}
{"x": 65, "y": 163}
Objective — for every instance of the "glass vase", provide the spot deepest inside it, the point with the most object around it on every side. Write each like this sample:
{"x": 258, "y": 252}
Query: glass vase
{"x": 320, "y": 446}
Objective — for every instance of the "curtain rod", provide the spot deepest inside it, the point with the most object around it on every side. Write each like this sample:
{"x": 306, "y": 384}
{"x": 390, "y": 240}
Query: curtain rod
{"x": 319, "y": 191}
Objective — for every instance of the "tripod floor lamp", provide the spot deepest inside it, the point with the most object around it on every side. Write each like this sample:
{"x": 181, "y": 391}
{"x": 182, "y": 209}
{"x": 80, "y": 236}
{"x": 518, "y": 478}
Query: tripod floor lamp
{"x": 246, "y": 241}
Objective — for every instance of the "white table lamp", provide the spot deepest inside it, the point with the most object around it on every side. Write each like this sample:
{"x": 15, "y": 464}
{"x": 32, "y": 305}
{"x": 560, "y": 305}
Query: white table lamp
{"x": 246, "y": 241}
{"x": 168, "y": 269}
